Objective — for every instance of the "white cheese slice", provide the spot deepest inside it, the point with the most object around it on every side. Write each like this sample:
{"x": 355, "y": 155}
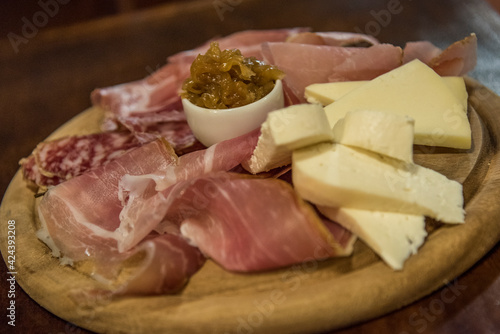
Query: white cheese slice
{"x": 376, "y": 131}
{"x": 393, "y": 236}
{"x": 414, "y": 90}
{"x": 326, "y": 93}
{"x": 335, "y": 175}
{"x": 285, "y": 130}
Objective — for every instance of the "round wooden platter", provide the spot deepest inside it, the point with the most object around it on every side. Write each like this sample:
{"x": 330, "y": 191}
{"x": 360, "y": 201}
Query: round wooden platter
{"x": 307, "y": 297}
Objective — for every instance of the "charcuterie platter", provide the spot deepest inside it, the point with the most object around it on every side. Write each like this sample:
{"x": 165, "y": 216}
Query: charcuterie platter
{"x": 313, "y": 295}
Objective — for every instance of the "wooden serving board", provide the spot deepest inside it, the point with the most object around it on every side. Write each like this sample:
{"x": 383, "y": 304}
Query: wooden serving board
{"x": 308, "y": 297}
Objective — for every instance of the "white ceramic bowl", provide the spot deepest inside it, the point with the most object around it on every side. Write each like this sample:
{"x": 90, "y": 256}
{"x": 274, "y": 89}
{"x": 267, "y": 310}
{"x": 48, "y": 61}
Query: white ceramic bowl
{"x": 211, "y": 126}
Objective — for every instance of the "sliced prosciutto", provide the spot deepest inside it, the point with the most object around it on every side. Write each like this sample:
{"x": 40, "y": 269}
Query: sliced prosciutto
{"x": 245, "y": 223}
{"x": 236, "y": 231}
{"x": 80, "y": 218}
{"x": 323, "y": 63}
{"x": 53, "y": 162}
{"x": 333, "y": 38}
{"x": 248, "y": 42}
{"x": 166, "y": 263}
{"x": 456, "y": 60}
{"x": 142, "y": 193}
{"x": 82, "y": 214}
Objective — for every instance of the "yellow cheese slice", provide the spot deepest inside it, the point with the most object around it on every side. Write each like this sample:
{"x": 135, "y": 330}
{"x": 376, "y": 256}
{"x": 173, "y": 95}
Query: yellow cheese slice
{"x": 336, "y": 175}
{"x": 414, "y": 90}
{"x": 326, "y": 93}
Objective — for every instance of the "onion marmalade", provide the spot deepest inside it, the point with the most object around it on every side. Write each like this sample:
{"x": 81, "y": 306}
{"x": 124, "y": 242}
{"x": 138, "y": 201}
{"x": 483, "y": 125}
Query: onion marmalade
{"x": 226, "y": 79}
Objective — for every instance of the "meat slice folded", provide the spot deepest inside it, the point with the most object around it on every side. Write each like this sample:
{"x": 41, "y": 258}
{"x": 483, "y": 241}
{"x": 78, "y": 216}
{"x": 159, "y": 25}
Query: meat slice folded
{"x": 141, "y": 194}
{"x": 56, "y": 161}
{"x": 80, "y": 220}
{"x": 457, "y": 59}
{"x": 231, "y": 226}
{"x": 81, "y": 215}
{"x": 333, "y": 38}
{"x": 160, "y": 264}
{"x": 245, "y": 223}
{"x": 323, "y": 63}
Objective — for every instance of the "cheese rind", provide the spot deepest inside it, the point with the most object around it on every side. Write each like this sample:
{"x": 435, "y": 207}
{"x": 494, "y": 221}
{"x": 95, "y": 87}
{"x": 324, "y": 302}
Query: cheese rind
{"x": 285, "y": 130}
{"x": 387, "y": 134}
{"x": 414, "y": 90}
{"x": 335, "y": 175}
{"x": 393, "y": 236}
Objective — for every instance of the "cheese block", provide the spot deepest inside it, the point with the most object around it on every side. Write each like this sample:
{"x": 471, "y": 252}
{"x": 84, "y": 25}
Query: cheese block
{"x": 393, "y": 236}
{"x": 336, "y": 175}
{"x": 285, "y": 130}
{"x": 326, "y": 93}
{"x": 380, "y": 132}
{"x": 414, "y": 90}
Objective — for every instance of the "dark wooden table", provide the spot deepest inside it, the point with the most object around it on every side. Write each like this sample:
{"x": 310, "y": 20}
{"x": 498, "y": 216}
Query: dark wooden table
{"x": 47, "y": 75}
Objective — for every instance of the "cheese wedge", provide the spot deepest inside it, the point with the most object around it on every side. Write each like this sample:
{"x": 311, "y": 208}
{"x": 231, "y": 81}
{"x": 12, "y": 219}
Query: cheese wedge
{"x": 326, "y": 93}
{"x": 335, "y": 175}
{"x": 393, "y": 236}
{"x": 414, "y": 90}
{"x": 283, "y": 131}
{"x": 379, "y": 132}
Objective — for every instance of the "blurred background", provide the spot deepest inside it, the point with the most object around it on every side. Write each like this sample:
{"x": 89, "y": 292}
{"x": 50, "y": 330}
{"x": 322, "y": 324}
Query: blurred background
{"x": 11, "y": 11}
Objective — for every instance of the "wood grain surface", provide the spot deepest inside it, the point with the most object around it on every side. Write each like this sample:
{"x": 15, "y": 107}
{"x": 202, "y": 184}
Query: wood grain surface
{"x": 49, "y": 80}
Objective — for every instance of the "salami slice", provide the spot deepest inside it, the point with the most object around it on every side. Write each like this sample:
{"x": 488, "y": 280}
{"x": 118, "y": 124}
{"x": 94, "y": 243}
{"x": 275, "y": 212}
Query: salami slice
{"x": 53, "y": 162}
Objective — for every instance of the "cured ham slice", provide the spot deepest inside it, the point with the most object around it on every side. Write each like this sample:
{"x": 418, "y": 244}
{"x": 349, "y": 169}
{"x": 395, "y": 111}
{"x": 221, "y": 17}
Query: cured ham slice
{"x": 456, "y": 60}
{"x": 425, "y": 51}
{"x": 244, "y": 223}
{"x": 234, "y": 231}
{"x": 81, "y": 215}
{"x": 142, "y": 193}
{"x": 53, "y": 162}
{"x": 248, "y": 42}
{"x": 322, "y": 63}
{"x": 166, "y": 262}
{"x": 333, "y": 38}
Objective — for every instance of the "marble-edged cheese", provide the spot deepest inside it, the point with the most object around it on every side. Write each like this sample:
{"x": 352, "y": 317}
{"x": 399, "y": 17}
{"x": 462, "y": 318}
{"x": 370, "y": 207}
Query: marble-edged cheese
{"x": 326, "y": 93}
{"x": 376, "y": 131}
{"x": 393, "y": 236}
{"x": 414, "y": 90}
{"x": 285, "y": 130}
{"x": 336, "y": 175}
